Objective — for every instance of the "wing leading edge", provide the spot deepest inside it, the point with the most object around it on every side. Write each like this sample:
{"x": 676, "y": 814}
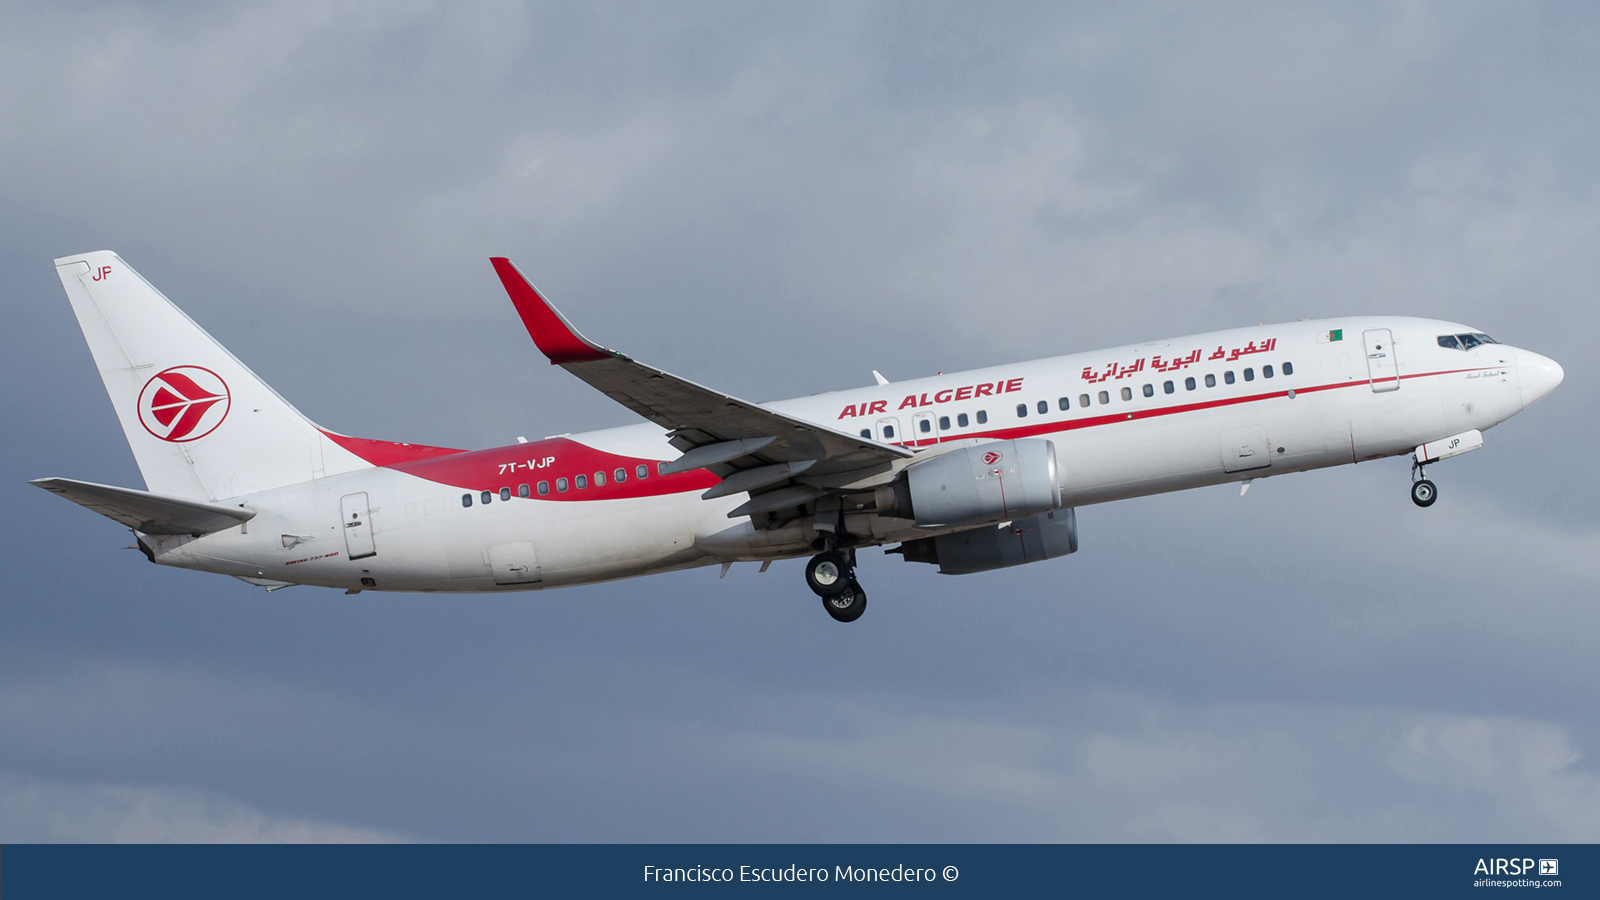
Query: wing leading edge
{"x": 754, "y": 447}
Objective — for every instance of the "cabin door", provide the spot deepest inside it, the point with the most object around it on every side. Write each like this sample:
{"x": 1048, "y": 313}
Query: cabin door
{"x": 357, "y": 525}
{"x": 1382, "y": 370}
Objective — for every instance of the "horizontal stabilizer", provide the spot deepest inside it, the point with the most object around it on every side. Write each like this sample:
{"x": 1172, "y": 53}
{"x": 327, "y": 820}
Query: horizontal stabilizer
{"x": 147, "y": 512}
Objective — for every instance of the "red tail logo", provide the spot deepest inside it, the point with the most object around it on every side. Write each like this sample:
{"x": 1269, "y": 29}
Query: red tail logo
{"x": 992, "y": 457}
{"x": 183, "y": 403}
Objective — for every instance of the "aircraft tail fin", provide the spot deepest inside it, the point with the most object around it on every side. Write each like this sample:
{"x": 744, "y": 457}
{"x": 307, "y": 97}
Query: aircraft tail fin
{"x": 200, "y": 423}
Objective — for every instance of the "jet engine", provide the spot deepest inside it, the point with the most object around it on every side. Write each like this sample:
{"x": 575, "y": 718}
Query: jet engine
{"x": 1034, "y": 539}
{"x": 991, "y": 482}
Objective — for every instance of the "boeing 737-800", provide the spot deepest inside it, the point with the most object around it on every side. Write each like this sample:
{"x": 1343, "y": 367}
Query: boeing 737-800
{"x": 968, "y": 471}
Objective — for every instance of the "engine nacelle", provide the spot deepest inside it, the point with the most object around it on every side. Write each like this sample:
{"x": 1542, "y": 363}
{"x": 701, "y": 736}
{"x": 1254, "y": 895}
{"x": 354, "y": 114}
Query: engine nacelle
{"x": 1042, "y": 537}
{"x": 991, "y": 482}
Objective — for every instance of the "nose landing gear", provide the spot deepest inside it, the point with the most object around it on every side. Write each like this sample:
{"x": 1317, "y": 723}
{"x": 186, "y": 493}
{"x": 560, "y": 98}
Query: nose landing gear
{"x": 831, "y": 576}
{"x": 1423, "y": 492}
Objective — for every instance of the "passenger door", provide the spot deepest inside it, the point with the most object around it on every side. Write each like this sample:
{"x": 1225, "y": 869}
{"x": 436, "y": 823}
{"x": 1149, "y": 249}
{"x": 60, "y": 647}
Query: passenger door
{"x": 357, "y": 525}
{"x": 922, "y": 430}
{"x": 889, "y": 431}
{"x": 1382, "y": 369}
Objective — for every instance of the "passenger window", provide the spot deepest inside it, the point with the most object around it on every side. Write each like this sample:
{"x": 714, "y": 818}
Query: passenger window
{"x": 1127, "y": 393}
{"x": 621, "y": 475}
{"x": 505, "y": 493}
{"x": 1167, "y": 386}
{"x": 1022, "y": 410}
{"x": 580, "y": 482}
{"x": 1104, "y": 398}
{"x": 561, "y": 485}
{"x": 1044, "y": 407}
{"x": 1288, "y": 368}
{"x": 486, "y": 497}
{"x": 1227, "y": 377}
{"x": 1449, "y": 341}
{"x": 1211, "y": 381}
{"x": 1266, "y": 371}
{"x": 961, "y": 420}
{"x": 866, "y": 432}
{"x": 1149, "y": 390}
{"x": 466, "y": 499}
{"x": 888, "y": 431}
{"x": 544, "y": 488}
{"x": 659, "y": 466}
{"x": 1083, "y": 399}
{"x": 925, "y": 426}
{"x": 983, "y": 416}
{"x": 1066, "y": 403}
{"x": 944, "y": 423}
{"x": 1249, "y": 374}
{"x": 599, "y": 479}
{"x": 522, "y": 491}
{"x": 642, "y": 471}
{"x": 1188, "y": 383}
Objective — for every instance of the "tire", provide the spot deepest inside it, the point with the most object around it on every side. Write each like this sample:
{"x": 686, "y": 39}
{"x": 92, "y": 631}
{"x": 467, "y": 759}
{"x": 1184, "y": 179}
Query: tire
{"x": 1423, "y": 493}
{"x": 848, "y": 605}
{"x": 828, "y": 575}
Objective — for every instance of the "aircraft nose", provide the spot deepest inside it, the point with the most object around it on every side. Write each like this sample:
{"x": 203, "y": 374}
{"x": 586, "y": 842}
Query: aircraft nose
{"x": 1537, "y": 375}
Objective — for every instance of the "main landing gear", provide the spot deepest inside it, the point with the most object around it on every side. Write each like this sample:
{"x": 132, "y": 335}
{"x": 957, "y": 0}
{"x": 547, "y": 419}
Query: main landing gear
{"x": 1423, "y": 492}
{"x": 831, "y": 575}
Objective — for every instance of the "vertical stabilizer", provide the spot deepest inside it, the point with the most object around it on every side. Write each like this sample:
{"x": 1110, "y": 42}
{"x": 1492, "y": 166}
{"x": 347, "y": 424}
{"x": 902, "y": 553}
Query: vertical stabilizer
{"x": 200, "y": 423}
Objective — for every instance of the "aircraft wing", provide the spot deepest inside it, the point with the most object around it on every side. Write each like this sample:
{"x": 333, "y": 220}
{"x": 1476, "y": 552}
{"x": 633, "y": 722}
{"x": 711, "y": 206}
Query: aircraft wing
{"x": 714, "y": 430}
{"x": 147, "y": 512}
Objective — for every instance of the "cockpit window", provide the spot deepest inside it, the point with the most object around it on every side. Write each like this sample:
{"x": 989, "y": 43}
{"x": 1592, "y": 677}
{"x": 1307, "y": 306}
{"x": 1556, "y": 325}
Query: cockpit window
{"x": 1465, "y": 341}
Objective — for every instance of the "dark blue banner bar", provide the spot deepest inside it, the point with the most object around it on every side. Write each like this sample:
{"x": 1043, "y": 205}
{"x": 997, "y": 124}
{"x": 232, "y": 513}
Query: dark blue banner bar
{"x": 29, "y": 871}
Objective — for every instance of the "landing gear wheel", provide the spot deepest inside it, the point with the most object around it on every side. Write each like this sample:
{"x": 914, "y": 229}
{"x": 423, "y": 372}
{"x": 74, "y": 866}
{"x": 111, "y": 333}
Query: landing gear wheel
{"x": 848, "y": 605}
{"x": 828, "y": 574}
{"x": 1423, "y": 493}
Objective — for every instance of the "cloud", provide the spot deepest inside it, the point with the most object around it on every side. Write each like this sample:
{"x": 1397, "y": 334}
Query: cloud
{"x": 35, "y": 811}
{"x": 1259, "y": 778}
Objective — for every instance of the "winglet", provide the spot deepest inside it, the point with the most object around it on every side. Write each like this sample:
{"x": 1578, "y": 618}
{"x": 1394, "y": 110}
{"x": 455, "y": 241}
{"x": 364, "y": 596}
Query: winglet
{"x": 550, "y": 330}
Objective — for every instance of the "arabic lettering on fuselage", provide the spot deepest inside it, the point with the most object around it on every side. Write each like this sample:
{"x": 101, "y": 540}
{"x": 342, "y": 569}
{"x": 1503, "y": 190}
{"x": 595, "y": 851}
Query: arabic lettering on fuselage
{"x": 1158, "y": 363}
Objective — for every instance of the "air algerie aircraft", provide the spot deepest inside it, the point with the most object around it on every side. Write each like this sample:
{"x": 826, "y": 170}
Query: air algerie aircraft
{"x": 968, "y": 471}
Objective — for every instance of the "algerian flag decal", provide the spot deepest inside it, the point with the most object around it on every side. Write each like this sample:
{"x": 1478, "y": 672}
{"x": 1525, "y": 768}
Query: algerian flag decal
{"x": 1330, "y": 336}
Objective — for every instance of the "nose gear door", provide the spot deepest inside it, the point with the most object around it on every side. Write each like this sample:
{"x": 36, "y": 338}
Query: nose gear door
{"x": 1382, "y": 370}
{"x": 357, "y": 525}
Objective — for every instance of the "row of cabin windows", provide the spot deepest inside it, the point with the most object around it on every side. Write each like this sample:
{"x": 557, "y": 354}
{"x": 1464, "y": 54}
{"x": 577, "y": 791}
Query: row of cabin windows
{"x": 1149, "y": 390}
{"x": 580, "y": 482}
{"x": 926, "y": 425}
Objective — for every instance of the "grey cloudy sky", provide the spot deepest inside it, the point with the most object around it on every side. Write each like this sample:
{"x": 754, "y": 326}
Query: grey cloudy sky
{"x": 775, "y": 200}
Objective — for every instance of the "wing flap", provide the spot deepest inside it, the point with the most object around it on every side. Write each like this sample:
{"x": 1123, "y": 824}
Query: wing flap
{"x": 147, "y": 512}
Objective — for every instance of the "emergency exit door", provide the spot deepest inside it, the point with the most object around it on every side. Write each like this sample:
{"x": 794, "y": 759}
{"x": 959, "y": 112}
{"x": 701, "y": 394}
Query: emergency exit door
{"x": 357, "y": 525}
{"x": 1382, "y": 370}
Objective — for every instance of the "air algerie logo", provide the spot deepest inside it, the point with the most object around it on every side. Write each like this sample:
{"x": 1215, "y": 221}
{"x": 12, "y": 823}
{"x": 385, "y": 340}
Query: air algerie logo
{"x": 184, "y": 403}
{"x": 992, "y": 457}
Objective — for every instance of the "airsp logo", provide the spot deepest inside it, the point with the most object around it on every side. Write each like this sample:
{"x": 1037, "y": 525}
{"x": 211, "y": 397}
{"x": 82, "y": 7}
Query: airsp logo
{"x": 183, "y": 403}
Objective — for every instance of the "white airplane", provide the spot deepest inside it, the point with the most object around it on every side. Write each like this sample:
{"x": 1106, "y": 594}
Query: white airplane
{"x": 969, "y": 471}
